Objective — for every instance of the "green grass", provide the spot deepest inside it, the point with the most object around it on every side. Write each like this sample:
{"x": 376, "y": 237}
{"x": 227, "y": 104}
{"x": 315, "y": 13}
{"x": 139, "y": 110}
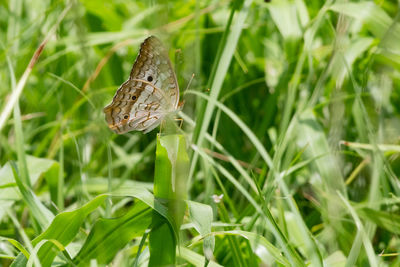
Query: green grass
{"x": 293, "y": 118}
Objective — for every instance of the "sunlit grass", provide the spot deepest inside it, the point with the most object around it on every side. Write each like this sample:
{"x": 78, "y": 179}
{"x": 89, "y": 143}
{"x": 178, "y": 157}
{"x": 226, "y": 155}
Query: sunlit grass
{"x": 288, "y": 155}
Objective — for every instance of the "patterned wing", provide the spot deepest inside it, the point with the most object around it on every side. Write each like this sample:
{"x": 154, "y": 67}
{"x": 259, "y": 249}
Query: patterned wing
{"x": 153, "y": 65}
{"x": 150, "y": 93}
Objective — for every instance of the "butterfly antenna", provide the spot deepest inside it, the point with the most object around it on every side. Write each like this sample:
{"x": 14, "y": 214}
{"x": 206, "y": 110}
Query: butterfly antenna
{"x": 190, "y": 82}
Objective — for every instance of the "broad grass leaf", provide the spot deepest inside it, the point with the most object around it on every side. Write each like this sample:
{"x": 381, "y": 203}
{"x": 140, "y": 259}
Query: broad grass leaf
{"x": 96, "y": 185}
{"x": 285, "y": 16}
{"x": 19, "y": 246}
{"x": 171, "y": 170}
{"x": 140, "y": 192}
{"x": 63, "y": 228}
{"x": 171, "y": 173}
{"x": 162, "y": 243}
{"x": 336, "y": 259}
{"x": 202, "y": 217}
{"x": 195, "y": 258}
{"x": 108, "y": 236}
{"x": 170, "y": 179}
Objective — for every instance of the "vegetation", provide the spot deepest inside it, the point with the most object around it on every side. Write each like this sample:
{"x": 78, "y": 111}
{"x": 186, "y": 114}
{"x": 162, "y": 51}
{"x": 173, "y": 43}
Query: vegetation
{"x": 288, "y": 154}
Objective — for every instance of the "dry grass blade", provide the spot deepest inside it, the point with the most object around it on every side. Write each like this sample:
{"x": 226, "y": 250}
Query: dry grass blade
{"x": 21, "y": 83}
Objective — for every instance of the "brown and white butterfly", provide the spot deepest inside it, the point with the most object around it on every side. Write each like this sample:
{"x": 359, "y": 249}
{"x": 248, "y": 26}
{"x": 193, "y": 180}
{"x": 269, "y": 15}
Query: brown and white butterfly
{"x": 149, "y": 95}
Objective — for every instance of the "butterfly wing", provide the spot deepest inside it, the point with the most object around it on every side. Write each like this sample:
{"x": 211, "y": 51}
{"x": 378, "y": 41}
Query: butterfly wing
{"x": 150, "y": 93}
{"x": 153, "y": 65}
{"x": 135, "y": 106}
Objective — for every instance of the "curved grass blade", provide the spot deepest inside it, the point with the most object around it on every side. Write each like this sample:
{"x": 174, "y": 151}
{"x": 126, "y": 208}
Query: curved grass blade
{"x": 64, "y": 228}
{"x": 110, "y": 235}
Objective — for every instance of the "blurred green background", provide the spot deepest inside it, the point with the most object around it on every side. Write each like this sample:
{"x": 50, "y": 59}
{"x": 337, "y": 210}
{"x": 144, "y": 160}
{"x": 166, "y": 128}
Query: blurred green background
{"x": 293, "y": 115}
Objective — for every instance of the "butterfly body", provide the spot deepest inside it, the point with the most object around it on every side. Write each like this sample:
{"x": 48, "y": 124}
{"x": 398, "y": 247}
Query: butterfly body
{"x": 149, "y": 95}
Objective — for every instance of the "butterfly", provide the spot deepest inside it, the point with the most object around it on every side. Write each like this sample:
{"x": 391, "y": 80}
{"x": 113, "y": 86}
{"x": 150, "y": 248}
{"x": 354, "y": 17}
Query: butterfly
{"x": 149, "y": 95}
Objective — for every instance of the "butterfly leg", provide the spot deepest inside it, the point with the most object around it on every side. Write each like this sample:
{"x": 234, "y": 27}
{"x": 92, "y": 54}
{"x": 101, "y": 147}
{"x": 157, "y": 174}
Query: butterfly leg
{"x": 189, "y": 83}
{"x": 180, "y": 122}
